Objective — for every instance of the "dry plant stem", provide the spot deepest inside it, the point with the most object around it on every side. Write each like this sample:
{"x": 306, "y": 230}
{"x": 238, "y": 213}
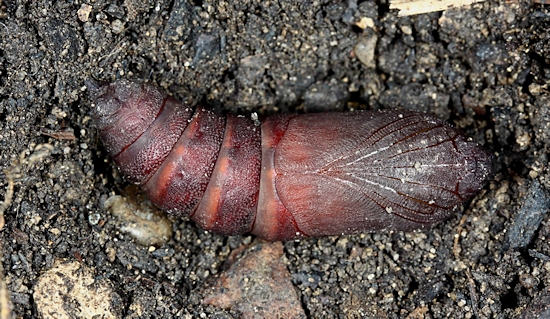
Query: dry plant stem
{"x": 408, "y": 7}
{"x": 473, "y": 293}
{"x": 456, "y": 248}
{"x": 5, "y": 304}
{"x": 7, "y": 199}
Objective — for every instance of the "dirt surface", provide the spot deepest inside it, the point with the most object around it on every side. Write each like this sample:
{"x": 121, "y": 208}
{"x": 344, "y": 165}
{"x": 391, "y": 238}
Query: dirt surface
{"x": 485, "y": 69}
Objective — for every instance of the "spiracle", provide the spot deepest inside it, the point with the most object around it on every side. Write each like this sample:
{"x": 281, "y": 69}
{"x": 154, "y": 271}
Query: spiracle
{"x": 293, "y": 176}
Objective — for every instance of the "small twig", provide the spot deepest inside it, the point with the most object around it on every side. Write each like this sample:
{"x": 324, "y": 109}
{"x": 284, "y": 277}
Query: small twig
{"x": 456, "y": 248}
{"x": 408, "y": 7}
{"x": 60, "y": 135}
{"x": 473, "y": 293}
{"x": 5, "y": 302}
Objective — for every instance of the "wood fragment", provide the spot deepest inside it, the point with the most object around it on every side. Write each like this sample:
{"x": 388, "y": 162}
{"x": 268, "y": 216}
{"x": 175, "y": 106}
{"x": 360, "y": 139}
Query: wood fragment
{"x": 408, "y": 7}
{"x": 61, "y": 135}
{"x": 456, "y": 247}
{"x": 473, "y": 293}
{"x": 6, "y": 305}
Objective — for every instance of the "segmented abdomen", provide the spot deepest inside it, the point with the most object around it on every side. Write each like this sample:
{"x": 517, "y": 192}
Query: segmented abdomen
{"x": 295, "y": 175}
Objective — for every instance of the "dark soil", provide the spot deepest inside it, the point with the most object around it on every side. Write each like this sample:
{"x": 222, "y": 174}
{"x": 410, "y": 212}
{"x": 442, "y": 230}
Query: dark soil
{"x": 485, "y": 69}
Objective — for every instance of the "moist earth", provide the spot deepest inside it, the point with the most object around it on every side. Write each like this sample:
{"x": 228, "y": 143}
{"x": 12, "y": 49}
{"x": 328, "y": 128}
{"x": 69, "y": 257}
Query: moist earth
{"x": 483, "y": 68}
